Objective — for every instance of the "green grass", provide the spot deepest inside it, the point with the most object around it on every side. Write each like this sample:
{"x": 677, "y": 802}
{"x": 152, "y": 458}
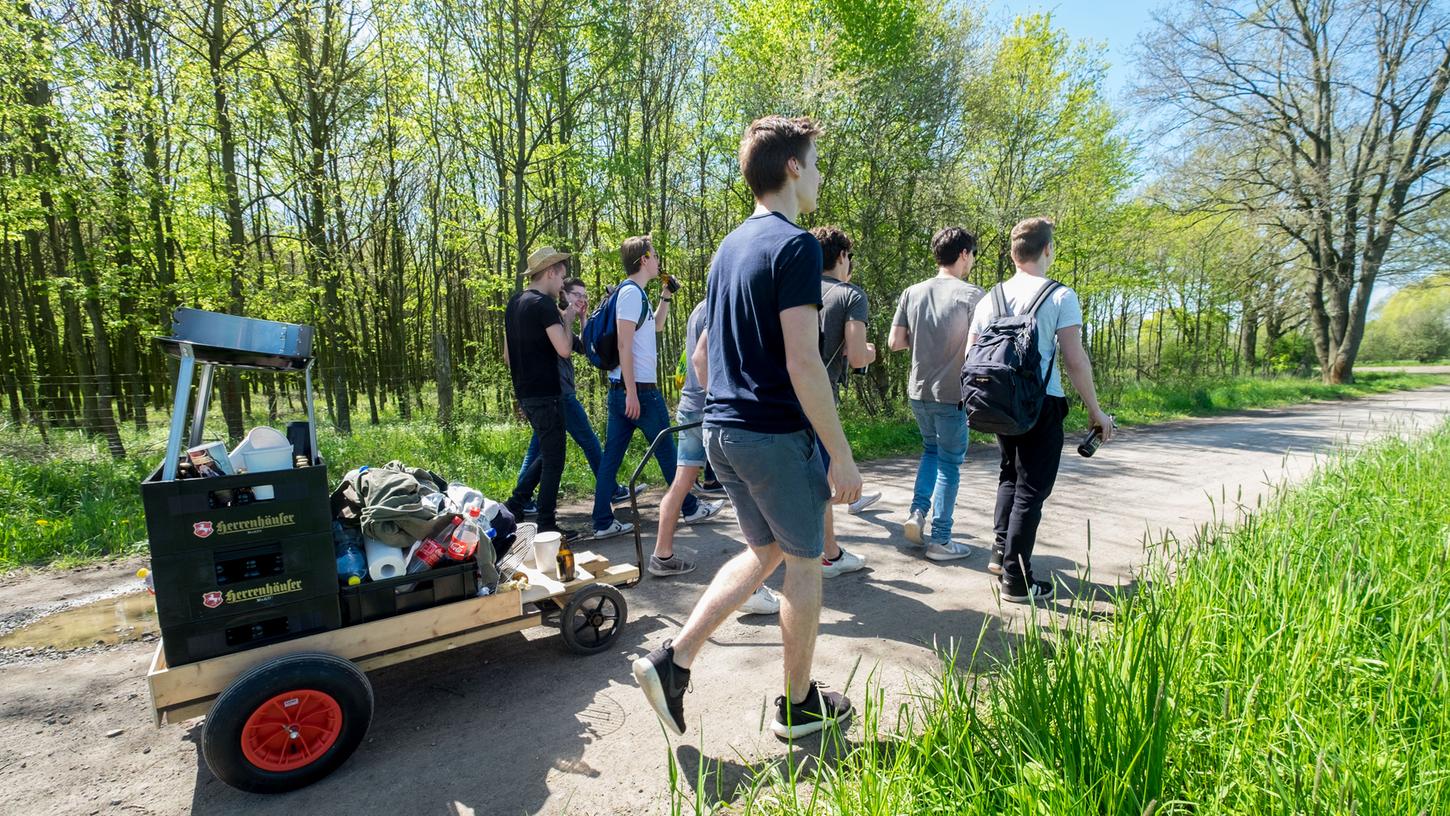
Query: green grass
{"x": 68, "y": 503}
{"x": 1295, "y": 664}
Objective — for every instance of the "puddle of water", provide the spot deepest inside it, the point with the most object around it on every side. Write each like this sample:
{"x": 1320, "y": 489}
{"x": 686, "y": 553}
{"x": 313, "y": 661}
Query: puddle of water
{"x": 106, "y": 622}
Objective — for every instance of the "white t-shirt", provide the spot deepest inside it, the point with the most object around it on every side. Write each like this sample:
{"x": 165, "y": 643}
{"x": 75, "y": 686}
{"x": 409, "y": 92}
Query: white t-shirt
{"x": 1061, "y": 311}
{"x": 626, "y": 310}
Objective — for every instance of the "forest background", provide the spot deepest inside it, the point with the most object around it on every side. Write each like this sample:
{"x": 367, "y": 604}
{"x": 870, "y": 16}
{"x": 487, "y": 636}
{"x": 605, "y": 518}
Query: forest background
{"x": 381, "y": 169}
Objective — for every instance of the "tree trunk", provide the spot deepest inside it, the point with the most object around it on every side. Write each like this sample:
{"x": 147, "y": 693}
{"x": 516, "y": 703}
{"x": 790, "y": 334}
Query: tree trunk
{"x": 443, "y": 374}
{"x": 218, "y": 39}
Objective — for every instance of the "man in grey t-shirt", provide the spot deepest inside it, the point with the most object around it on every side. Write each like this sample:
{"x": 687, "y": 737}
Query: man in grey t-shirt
{"x": 933, "y": 319}
{"x": 844, "y": 312}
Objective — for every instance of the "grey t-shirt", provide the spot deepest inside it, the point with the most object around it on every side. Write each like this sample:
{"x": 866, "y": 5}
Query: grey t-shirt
{"x": 692, "y": 396}
{"x": 937, "y": 313}
{"x": 1061, "y": 311}
{"x": 840, "y": 302}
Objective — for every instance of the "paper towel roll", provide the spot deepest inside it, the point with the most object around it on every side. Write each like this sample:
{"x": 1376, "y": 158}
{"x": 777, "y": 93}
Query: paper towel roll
{"x": 384, "y": 561}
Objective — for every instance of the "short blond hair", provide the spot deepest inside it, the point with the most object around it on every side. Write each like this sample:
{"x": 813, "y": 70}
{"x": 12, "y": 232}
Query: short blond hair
{"x": 1030, "y": 238}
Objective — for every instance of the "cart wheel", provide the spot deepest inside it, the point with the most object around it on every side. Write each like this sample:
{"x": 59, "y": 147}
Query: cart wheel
{"x": 287, "y": 723}
{"x": 593, "y": 619}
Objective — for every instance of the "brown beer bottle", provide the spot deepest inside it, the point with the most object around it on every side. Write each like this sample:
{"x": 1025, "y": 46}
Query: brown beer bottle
{"x": 565, "y": 562}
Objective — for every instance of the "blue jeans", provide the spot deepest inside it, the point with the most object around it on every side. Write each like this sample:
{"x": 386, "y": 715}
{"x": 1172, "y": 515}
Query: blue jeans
{"x": 576, "y": 422}
{"x": 943, "y": 447}
{"x": 654, "y": 417}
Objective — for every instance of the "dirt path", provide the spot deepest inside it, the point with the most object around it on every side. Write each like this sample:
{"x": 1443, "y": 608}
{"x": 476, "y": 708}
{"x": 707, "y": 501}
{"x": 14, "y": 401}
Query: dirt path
{"x": 518, "y": 726}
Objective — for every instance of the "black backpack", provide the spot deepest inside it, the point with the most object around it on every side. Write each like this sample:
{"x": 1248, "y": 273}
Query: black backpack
{"x": 1002, "y": 384}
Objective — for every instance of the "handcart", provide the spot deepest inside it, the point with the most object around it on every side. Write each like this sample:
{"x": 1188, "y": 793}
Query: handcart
{"x": 282, "y": 682}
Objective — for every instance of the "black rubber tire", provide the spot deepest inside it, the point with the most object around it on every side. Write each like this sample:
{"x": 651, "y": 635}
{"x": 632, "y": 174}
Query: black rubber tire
{"x": 221, "y": 739}
{"x": 581, "y": 629}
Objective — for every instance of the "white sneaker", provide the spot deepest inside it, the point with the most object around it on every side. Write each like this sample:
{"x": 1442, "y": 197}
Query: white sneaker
{"x": 763, "y": 602}
{"x": 915, "y": 523}
{"x": 703, "y": 512}
{"x": 866, "y": 500}
{"x": 848, "y": 562}
{"x": 950, "y": 551}
{"x": 615, "y": 528}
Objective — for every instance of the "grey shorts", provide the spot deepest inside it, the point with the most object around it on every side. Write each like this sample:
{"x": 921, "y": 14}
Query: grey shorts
{"x": 776, "y": 483}
{"x": 691, "y": 450}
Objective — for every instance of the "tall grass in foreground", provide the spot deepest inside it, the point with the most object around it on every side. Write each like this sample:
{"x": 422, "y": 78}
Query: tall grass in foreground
{"x": 1295, "y": 664}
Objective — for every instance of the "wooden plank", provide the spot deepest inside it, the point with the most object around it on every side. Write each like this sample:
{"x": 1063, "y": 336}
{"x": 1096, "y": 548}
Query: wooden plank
{"x": 186, "y": 711}
{"x": 158, "y": 665}
{"x": 528, "y": 621}
{"x": 207, "y": 678}
{"x": 617, "y": 574}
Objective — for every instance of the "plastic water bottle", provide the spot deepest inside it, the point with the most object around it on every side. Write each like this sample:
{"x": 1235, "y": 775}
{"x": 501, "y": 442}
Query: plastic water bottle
{"x": 352, "y": 564}
{"x": 147, "y": 579}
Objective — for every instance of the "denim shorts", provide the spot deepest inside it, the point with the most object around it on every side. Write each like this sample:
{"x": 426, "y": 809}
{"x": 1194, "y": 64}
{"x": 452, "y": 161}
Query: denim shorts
{"x": 777, "y": 485}
{"x": 691, "y": 450}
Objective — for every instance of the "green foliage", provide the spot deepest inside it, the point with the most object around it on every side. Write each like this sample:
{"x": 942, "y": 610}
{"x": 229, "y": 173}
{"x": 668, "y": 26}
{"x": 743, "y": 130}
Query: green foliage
{"x": 1296, "y": 663}
{"x": 1414, "y": 324}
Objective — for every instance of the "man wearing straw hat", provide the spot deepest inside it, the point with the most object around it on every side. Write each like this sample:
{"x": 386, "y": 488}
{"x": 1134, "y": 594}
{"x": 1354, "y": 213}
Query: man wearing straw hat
{"x": 536, "y": 338}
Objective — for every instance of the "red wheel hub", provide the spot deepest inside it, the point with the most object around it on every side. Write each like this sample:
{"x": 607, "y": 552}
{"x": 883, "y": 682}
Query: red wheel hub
{"x": 291, "y": 730}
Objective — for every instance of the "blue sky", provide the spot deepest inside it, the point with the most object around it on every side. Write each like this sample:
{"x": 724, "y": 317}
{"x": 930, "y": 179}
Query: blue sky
{"x": 1114, "y": 23}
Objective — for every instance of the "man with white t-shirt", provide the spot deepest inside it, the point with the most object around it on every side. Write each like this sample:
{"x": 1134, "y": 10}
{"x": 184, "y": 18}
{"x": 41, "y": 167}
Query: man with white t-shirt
{"x": 1030, "y": 460}
{"x": 635, "y": 401}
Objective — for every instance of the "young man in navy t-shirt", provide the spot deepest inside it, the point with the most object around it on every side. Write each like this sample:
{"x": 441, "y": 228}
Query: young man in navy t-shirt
{"x": 766, "y": 389}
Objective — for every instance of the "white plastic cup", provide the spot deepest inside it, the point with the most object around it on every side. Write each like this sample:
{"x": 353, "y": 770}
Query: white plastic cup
{"x": 546, "y": 553}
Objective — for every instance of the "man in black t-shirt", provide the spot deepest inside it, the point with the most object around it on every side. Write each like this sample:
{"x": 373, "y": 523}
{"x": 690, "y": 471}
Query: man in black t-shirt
{"x": 536, "y": 338}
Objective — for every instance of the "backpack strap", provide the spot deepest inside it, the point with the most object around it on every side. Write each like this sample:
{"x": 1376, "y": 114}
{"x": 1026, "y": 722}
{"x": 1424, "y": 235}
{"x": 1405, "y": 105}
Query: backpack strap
{"x": 1042, "y": 295}
{"x": 999, "y": 299}
{"x": 831, "y": 361}
{"x": 643, "y": 301}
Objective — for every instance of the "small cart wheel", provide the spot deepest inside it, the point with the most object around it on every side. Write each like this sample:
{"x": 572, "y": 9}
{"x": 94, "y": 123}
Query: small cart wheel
{"x": 287, "y": 723}
{"x": 593, "y": 619}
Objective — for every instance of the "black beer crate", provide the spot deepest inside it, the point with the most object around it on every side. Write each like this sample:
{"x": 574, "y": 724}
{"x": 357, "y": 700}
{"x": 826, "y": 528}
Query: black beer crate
{"x": 179, "y": 517}
{"x": 382, "y": 599}
{"x": 220, "y": 581}
{"x": 199, "y": 640}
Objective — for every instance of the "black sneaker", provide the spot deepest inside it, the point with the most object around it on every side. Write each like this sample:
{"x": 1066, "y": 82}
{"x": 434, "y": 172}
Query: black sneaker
{"x": 664, "y": 685}
{"x": 564, "y": 532}
{"x": 711, "y": 488}
{"x": 1019, "y": 590}
{"x": 995, "y": 565}
{"x": 813, "y": 714}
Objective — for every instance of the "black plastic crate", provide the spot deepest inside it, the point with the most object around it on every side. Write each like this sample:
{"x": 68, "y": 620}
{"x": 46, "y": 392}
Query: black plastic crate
{"x": 382, "y": 599}
{"x": 179, "y": 517}
{"x": 213, "y": 583}
{"x": 189, "y": 642}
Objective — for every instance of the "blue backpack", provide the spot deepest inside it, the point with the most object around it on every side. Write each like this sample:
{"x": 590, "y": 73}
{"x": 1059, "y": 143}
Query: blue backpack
{"x": 1002, "y": 382}
{"x": 600, "y": 336}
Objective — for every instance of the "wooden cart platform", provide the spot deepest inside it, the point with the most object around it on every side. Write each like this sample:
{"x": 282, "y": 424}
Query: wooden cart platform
{"x": 182, "y": 692}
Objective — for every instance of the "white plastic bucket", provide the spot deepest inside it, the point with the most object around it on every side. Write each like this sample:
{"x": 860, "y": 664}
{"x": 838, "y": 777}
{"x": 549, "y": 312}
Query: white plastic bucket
{"x": 264, "y": 449}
